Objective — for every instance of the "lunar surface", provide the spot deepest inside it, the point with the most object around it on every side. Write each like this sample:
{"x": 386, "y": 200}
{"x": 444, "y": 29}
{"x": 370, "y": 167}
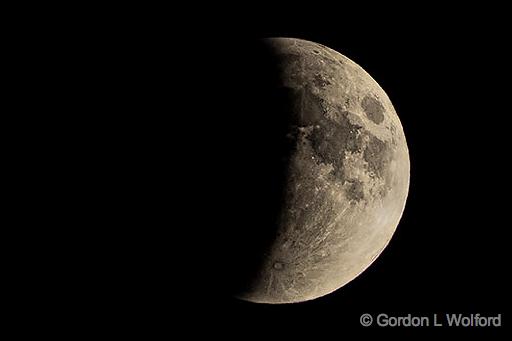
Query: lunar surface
{"x": 347, "y": 176}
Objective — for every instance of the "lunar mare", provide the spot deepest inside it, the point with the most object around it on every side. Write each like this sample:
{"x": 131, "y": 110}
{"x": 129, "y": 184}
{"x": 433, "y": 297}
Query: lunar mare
{"x": 348, "y": 176}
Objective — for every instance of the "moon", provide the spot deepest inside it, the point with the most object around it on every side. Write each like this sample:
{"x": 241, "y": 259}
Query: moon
{"x": 347, "y": 176}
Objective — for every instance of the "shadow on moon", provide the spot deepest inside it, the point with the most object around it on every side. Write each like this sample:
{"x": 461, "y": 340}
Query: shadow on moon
{"x": 256, "y": 117}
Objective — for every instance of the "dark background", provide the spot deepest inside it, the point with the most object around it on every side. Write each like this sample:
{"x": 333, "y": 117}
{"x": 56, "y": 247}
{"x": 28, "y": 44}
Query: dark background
{"x": 176, "y": 124}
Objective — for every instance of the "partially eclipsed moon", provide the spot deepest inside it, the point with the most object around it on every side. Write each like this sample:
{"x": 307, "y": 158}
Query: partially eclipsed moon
{"x": 347, "y": 181}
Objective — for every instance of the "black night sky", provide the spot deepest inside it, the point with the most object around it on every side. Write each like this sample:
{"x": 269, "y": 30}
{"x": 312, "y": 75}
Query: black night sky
{"x": 182, "y": 136}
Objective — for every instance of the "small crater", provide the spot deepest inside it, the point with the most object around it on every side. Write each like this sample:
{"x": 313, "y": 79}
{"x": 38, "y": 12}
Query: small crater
{"x": 278, "y": 266}
{"x": 316, "y": 51}
{"x": 373, "y": 109}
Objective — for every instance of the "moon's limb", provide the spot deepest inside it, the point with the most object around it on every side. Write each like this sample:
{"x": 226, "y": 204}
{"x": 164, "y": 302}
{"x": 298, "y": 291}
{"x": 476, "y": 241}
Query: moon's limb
{"x": 348, "y": 176}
